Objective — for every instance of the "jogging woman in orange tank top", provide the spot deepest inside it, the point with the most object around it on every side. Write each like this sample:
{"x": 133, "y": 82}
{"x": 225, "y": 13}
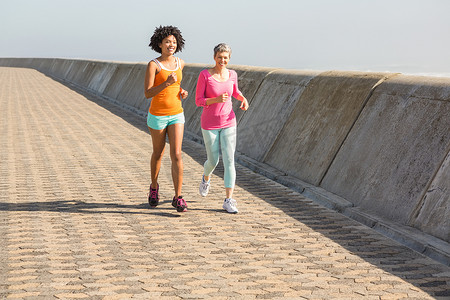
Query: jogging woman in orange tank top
{"x": 166, "y": 116}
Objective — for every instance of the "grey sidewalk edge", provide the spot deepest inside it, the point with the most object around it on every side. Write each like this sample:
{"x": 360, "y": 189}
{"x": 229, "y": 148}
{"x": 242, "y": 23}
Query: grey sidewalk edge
{"x": 410, "y": 237}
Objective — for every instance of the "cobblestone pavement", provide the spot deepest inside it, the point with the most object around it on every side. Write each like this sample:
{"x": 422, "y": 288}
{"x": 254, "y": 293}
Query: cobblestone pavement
{"x": 75, "y": 222}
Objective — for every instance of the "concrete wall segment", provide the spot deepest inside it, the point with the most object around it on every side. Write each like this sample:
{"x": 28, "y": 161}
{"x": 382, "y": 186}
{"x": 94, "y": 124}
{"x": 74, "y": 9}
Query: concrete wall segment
{"x": 42, "y": 64}
{"x": 395, "y": 148}
{"x": 269, "y": 109}
{"x": 46, "y": 65}
{"x": 52, "y": 67}
{"x": 102, "y": 73}
{"x": 33, "y": 63}
{"x": 132, "y": 91}
{"x": 74, "y": 70}
{"x": 423, "y": 87}
{"x": 86, "y": 74}
{"x": 320, "y": 122}
{"x": 79, "y": 73}
{"x": 59, "y": 68}
{"x": 432, "y": 214}
{"x": 249, "y": 81}
{"x": 118, "y": 79}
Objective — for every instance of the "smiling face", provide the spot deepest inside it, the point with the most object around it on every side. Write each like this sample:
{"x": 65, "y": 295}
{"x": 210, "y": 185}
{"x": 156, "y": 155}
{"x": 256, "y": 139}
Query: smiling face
{"x": 168, "y": 45}
{"x": 222, "y": 59}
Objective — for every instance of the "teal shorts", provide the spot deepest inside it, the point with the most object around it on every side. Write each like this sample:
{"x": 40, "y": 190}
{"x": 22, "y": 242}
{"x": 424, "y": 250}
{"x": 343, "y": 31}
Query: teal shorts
{"x": 161, "y": 122}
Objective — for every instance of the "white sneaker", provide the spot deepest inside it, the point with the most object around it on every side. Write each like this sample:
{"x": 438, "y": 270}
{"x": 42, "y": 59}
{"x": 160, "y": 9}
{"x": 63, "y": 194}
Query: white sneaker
{"x": 230, "y": 206}
{"x": 204, "y": 187}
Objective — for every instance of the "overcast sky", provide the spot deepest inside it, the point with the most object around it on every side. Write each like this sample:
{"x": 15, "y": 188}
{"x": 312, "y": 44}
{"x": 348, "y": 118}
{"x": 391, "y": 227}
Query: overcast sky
{"x": 408, "y": 36}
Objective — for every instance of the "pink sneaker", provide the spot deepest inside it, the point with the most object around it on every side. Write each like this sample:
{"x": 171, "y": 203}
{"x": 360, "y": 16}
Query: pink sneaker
{"x": 179, "y": 203}
{"x": 153, "y": 196}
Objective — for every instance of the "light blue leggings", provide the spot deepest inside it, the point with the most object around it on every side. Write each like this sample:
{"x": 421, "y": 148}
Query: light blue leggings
{"x": 226, "y": 137}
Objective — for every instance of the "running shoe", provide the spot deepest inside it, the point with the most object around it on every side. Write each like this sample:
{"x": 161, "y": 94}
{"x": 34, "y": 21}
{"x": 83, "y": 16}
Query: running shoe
{"x": 204, "y": 186}
{"x": 230, "y": 206}
{"x": 179, "y": 203}
{"x": 153, "y": 196}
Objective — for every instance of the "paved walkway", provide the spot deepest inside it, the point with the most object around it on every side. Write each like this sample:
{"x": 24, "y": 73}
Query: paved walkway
{"x": 75, "y": 223}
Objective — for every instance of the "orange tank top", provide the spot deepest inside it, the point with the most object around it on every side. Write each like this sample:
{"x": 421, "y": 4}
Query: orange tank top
{"x": 168, "y": 101}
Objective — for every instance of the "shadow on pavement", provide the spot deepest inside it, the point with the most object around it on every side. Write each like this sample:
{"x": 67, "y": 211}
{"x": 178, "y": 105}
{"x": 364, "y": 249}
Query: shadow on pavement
{"x": 70, "y": 206}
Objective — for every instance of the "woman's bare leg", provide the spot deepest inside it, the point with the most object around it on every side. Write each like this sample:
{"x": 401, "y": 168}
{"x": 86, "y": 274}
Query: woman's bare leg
{"x": 175, "y": 133}
{"x": 159, "y": 144}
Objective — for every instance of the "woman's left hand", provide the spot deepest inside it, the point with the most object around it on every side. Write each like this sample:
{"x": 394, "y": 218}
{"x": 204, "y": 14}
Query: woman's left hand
{"x": 183, "y": 94}
{"x": 244, "y": 104}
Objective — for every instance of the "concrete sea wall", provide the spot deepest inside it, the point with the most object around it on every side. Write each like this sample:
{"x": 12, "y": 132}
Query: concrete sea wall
{"x": 374, "y": 146}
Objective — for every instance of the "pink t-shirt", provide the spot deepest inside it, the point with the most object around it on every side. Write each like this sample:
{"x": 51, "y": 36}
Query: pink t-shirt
{"x": 216, "y": 115}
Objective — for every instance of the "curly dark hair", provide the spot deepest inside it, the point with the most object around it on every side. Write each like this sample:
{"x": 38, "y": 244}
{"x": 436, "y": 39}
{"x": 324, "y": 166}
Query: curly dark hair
{"x": 161, "y": 33}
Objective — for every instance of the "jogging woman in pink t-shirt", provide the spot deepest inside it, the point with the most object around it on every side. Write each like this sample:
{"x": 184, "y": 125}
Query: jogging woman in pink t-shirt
{"x": 215, "y": 87}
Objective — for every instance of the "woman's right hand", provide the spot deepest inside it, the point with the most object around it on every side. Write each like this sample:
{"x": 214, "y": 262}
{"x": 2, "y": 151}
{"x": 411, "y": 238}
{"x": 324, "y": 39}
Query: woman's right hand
{"x": 222, "y": 98}
{"x": 172, "y": 78}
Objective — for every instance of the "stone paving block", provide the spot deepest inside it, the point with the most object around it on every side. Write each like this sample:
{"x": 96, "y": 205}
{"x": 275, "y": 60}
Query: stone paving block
{"x": 75, "y": 222}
